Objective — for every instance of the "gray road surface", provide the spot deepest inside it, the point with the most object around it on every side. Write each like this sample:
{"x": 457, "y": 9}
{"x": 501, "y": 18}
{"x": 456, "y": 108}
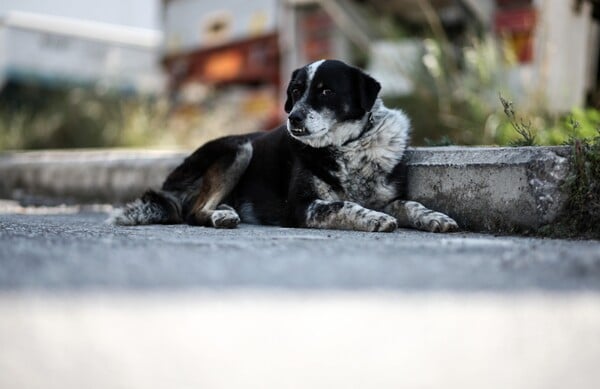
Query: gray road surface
{"x": 87, "y": 305}
{"x": 75, "y": 251}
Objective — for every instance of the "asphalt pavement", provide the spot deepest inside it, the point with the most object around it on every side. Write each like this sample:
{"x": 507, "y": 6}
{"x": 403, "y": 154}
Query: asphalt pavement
{"x": 86, "y": 304}
{"x": 79, "y": 251}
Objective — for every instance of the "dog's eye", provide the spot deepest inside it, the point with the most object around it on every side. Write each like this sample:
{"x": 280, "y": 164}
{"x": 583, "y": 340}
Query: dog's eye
{"x": 296, "y": 92}
{"x": 326, "y": 92}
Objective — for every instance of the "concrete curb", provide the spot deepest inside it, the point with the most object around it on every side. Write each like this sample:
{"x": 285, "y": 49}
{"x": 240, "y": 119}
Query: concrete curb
{"x": 500, "y": 189}
{"x": 483, "y": 188}
{"x": 101, "y": 176}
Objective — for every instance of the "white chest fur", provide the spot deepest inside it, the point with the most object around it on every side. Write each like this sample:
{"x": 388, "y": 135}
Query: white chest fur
{"x": 365, "y": 164}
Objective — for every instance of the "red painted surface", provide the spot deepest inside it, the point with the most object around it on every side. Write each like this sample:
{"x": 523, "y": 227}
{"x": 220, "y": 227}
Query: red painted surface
{"x": 251, "y": 61}
{"x": 517, "y": 26}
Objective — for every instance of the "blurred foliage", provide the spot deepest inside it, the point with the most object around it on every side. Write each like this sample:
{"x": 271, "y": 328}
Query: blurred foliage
{"x": 456, "y": 94}
{"x": 34, "y": 117}
{"x": 455, "y": 102}
{"x": 552, "y": 129}
{"x": 456, "y": 99}
{"x": 37, "y": 117}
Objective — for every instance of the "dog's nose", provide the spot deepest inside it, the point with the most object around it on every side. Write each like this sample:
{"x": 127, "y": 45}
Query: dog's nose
{"x": 297, "y": 119}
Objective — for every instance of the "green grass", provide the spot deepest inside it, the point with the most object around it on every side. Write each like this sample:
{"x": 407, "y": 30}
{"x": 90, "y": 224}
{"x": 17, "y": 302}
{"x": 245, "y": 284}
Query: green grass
{"x": 549, "y": 129}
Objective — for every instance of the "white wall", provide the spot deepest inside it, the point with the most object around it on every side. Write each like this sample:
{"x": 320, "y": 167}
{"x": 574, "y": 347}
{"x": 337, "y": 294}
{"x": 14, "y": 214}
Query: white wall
{"x": 186, "y": 21}
{"x": 565, "y": 51}
{"x": 115, "y": 42}
{"x": 133, "y": 13}
{"x": 60, "y": 58}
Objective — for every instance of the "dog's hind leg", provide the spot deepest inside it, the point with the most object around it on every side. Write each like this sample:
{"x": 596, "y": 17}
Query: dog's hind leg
{"x": 415, "y": 215}
{"x": 154, "y": 207}
{"x": 217, "y": 183}
{"x": 193, "y": 191}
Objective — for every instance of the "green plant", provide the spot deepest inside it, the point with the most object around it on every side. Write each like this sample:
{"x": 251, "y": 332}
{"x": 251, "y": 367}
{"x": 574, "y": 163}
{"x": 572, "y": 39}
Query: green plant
{"x": 581, "y": 216}
{"x": 523, "y": 129}
{"x": 544, "y": 128}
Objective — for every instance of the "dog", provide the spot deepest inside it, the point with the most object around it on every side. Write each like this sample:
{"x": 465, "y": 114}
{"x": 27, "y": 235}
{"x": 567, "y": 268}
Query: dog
{"x": 336, "y": 164}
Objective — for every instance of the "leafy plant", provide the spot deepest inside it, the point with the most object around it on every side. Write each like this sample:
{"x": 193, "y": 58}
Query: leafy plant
{"x": 543, "y": 128}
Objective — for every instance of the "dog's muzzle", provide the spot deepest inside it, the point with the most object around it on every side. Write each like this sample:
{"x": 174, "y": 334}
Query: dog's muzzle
{"x": 296, "y": 123}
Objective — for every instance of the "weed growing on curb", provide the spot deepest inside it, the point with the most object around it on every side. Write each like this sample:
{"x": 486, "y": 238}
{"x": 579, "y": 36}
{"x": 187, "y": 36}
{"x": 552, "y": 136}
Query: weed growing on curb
{"x": 522, "y": 128}
{"x": 581, "y": 216}
{"x": 582, "y": 213}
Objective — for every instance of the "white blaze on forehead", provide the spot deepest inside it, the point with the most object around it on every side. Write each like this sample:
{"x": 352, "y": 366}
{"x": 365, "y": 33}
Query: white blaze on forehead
{"x": 312, "y": 69}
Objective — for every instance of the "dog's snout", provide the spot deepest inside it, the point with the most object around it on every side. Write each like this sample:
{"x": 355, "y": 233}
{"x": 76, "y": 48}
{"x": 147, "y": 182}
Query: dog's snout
{"x": 297, "y": 118}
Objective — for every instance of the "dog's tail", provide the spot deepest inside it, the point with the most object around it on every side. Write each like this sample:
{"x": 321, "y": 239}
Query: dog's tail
{"x": 154, "y": 207}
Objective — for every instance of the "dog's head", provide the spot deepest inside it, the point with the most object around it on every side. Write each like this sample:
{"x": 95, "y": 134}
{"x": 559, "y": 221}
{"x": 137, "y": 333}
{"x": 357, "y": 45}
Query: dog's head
{"x": 328, "y": 103}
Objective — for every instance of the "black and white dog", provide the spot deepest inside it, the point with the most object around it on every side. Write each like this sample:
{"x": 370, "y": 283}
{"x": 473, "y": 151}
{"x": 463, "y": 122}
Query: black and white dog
{"x": 336, "y": 164}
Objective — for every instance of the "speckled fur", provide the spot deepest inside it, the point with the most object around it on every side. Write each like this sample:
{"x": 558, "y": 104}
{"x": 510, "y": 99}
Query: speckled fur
{"x": 366, "y": 163}
{"x": 364, "y": 169}
{"x": 346, "y": 215}
{"x": 154, "y": 207}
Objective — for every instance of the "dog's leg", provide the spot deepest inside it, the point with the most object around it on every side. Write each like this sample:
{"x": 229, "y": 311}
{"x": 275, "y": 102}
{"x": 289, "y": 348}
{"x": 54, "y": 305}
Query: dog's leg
{"x": 222, "y": 217}
{"x": 154, "y": 207}
{"x": 217, "y": 182}
{"x": 415, "y": 215}
{"x": 346, "y": 215}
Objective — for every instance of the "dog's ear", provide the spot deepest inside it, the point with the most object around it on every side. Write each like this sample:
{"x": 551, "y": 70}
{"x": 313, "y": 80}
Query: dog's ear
{"x": 289, "y": 102}
{"x": 369, "y": 89}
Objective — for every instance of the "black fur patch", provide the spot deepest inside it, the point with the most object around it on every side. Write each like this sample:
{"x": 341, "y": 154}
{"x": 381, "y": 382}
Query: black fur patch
{"x": 295, "y": 88}
{"x": 321, "y": 212}
{"x": 352, "y": 96}
{"x": 168, "y": 206}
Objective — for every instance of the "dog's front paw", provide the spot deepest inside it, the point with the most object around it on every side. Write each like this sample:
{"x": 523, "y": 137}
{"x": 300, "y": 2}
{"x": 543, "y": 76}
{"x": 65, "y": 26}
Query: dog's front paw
{"x": 225, "y": 218}
{"x": 438, "y": 222}
{"x": 381, "y": 222}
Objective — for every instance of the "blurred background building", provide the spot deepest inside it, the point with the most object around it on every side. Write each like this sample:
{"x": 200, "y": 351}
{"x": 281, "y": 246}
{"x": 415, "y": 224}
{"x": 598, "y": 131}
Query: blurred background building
{"x": 114, "y": 42}
{"x": 203, "y": 68}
